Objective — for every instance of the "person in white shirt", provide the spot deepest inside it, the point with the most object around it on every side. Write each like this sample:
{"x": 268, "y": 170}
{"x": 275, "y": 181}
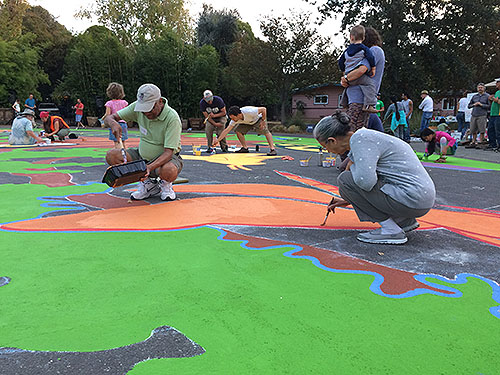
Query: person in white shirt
{"x": 246, "y": 119}
{"x": 427, "y": 106}
{"x": 462, "y": 120}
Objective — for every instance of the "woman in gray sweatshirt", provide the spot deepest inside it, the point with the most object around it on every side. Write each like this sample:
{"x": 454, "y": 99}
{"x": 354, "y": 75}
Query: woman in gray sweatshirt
{"x": 385, "y": 182}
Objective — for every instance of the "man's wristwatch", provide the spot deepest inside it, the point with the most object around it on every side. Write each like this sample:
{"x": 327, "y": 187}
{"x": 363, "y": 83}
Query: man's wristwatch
{"x": 345, "y": 76}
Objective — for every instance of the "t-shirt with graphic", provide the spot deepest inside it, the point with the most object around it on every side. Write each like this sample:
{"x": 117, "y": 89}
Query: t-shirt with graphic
{"x": 115, "y": 105}
{"x": 158, "y": 134}
{"x": 250, "y": 116}
{"x": 79, "y": 108}
{"x": 19, "y": 135}
{"x": 215, "y": 107}
{"x": 495, "y": 107}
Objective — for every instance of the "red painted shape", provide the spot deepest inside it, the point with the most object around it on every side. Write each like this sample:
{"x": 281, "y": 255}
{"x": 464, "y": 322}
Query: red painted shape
{"x": 396, "y": 282}
{"x": 105, "y": 201}
{"x": 49, "y": 179}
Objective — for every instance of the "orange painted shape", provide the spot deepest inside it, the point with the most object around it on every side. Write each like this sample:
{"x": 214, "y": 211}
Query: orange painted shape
{"x": 198, "y": 212}
{"x": 260, "y": 190}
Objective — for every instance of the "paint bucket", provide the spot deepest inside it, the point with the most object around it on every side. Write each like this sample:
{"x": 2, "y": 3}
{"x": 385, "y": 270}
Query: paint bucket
{"x": 327, "y": 163}
{"x": 197, "y": 150}
{"x": 331, "y": 160}
{"x": 304, "y": 163}
{"x": 46, "y": 140}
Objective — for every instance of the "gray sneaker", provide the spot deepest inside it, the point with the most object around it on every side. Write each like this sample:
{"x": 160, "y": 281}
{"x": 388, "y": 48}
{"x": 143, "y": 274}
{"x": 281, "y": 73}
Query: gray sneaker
{"x": 146, "y": 189}
{"x": 376, "y": 236}
{"x": 407, "y": 225}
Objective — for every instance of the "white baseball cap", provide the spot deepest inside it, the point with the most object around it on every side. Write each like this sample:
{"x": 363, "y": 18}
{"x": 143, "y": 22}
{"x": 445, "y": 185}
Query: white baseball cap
{"x": 208, "y": 95}
{"x": 147, "y": 95}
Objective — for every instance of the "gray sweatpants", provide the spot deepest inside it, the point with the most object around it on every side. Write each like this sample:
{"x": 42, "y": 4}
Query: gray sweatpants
{"x": 209, "y": 131}
{"x": 367, "y": 86}
{"x": 374, "y": 205}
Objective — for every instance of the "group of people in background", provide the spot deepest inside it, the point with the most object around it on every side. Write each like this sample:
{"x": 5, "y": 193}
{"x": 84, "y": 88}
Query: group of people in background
{"x": 53, "y": 125}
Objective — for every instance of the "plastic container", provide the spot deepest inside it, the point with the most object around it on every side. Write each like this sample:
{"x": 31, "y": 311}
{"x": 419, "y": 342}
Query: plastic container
{"x": 304, "y": 163}
{"x": 327, "y": 163}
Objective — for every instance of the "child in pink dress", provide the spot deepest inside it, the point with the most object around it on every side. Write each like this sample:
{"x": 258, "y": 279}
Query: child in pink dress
{"x": 116, "y": 94}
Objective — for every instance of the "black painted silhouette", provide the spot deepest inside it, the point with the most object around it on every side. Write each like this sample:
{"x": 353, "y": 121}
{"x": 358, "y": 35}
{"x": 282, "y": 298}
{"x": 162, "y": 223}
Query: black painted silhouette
{"x": 164, "y": 342}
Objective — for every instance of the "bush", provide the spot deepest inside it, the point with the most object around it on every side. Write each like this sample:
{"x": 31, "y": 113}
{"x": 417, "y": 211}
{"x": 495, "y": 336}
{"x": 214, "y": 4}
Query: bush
{"x": 294, "y": 129}
{"x": 279, "y": 129}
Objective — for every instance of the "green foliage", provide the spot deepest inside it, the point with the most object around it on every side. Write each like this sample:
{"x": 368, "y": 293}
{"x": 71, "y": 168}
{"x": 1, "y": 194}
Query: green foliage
{"x": 181, "y": 70}
{"x": 94, "y": 59}
{"x": 297, "y": 50}
{"x": 431, "y": 44}
{"x": 250, "y": 76}
{"x": 11, "y": 18}
{"x": 19, "y": 68}
{"x": 53, "y": 40}
{"x": 137, "y": 21}
{"x": 219, "y": 29}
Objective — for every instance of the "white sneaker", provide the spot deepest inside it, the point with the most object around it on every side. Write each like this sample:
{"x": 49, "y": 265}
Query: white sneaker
{"x": 167, "y": 191}
{"x": 147, "y": 188}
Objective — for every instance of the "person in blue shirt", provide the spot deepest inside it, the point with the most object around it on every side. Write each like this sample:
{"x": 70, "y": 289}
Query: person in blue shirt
{"x": 30, "y": 103}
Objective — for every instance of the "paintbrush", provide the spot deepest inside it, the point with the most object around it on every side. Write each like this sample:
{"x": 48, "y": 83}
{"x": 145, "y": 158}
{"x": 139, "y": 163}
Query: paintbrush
{"x": 326, "y": 217}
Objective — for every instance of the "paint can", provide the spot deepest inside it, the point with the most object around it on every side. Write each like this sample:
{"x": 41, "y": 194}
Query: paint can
{"x": 304, "y": 163}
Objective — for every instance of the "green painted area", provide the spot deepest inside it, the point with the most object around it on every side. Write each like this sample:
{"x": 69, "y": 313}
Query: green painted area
{"x": 254, "y": 311}
{"x": 452, "y": 160}
{"x": 28, "y": 206}
{"x": 9, "y": 161}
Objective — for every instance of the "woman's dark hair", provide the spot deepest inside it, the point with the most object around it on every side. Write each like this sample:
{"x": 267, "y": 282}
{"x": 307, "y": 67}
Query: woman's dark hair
{"x": 336, "y": 125}
{"x": 396, "y": 107}
{"x": 431, "y": 146}
{"x": 372, "y": 37}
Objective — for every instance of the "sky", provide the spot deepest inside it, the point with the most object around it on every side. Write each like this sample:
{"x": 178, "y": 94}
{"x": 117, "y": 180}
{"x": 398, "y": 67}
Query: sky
{"x": 250, "y": 11}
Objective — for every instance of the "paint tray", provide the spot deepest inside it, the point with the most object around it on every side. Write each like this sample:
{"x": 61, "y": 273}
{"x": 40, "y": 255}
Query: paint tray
{"x": 126, "y": 173}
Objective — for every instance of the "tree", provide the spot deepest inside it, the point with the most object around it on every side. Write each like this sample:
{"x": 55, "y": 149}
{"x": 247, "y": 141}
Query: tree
{"x": 441, "y": 45}
{"x": 181, "y": 70}
{"x": 19, "y": 71}
{"x": 95, "y": 58}
{"x": 248, "y": 79}
{"x": 136, "y": 21}
{"x": 11, "y": 18}
{"x": 52, "y": 39}
{"x": 298, "y": 50}
{"x": 219, "y": 29}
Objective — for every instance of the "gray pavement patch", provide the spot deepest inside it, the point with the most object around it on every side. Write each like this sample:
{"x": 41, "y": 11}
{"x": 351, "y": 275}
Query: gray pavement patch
{"x": 164, "y": 342}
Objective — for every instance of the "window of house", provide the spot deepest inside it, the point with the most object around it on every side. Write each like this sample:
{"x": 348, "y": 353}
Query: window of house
{"x": 320, "y": 99}
{"x": 448, "y": 104}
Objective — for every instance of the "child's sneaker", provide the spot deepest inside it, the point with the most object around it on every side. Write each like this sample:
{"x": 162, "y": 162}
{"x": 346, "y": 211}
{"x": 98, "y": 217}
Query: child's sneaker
{"x": 146, "y": 189}
{"x": 167, "y": 191}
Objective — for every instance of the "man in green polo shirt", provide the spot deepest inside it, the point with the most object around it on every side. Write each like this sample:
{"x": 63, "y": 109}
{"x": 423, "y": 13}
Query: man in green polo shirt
{"x": 160, "y": 142}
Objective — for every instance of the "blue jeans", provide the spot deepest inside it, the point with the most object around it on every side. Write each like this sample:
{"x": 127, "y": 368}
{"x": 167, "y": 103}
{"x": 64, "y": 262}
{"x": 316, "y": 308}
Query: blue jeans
{"x": 426, "y": 119}
{"x": 462, "y": 124}
{"x": 494, "y": 131}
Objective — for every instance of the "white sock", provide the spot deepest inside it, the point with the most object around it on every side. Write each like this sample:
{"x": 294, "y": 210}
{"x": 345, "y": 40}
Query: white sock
{"x": 389, "y": 226}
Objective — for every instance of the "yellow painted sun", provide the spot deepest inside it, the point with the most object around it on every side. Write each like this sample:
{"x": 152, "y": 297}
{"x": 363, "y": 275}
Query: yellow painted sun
{"x": 232, "y": 160}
